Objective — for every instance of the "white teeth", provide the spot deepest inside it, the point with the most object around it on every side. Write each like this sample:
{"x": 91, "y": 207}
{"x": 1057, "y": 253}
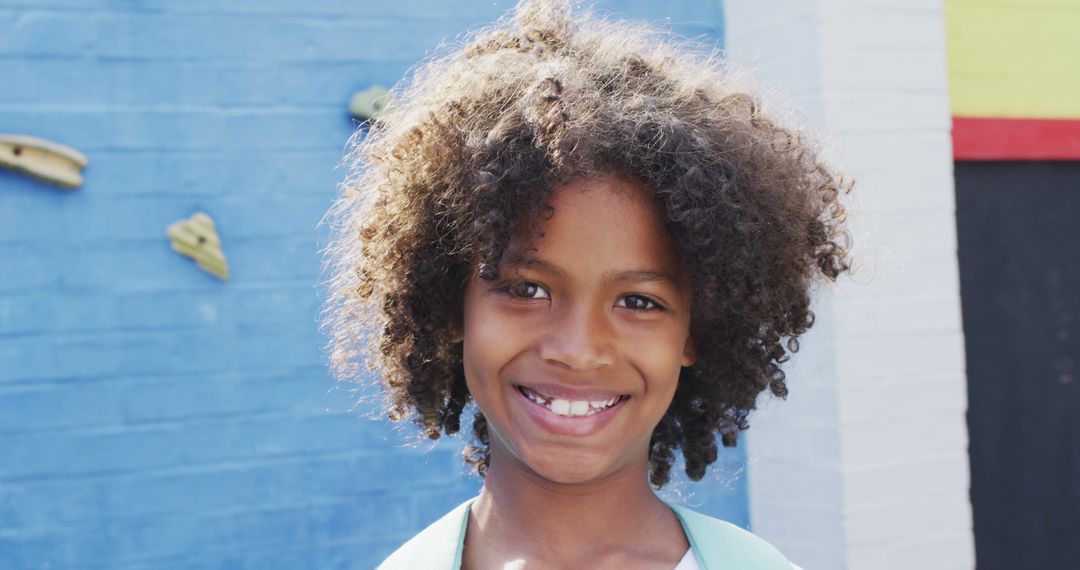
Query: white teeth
{"x": 562, "y": 407}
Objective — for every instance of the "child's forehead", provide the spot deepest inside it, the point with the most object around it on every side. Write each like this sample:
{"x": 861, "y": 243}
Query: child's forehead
{"x": 602, "y": 219}
{"x": 595, "y": 193}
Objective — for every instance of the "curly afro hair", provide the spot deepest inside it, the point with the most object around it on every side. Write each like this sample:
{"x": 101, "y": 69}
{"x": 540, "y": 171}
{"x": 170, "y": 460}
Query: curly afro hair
{"x": 472, "y": 149}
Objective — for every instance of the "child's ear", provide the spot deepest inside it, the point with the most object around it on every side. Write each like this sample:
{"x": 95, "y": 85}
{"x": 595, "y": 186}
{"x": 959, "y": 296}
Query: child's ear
{"x": 689, "y": 356}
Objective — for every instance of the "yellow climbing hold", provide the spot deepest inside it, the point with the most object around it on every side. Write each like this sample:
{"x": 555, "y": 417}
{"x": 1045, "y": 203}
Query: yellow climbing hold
{"x": 370, "y": 105}
{"x": 196, "y": 238}
{"x": 45, "y": 160}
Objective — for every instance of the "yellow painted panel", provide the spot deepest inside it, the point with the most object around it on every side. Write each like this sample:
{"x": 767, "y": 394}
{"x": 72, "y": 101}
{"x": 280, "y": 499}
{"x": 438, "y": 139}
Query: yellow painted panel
{"x": 1014, "y": 58}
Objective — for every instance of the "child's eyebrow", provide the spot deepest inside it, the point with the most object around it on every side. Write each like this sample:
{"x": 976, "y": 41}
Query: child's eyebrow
{"x": 634, "y": 276}
{"x": 642, "y": 276}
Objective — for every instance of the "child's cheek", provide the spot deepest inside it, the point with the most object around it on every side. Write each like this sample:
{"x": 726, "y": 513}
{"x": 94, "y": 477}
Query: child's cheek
{"x": 655, "y": 351}
{"x": 494, "y": 337}
{"x": 658, "y": 334}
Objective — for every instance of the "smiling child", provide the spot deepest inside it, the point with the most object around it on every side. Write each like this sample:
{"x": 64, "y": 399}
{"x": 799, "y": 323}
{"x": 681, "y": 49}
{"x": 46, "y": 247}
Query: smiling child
{"x": 593, "y": 234}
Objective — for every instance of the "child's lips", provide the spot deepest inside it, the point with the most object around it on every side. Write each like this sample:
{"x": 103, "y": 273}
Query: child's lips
{"x": 570, "y": 417}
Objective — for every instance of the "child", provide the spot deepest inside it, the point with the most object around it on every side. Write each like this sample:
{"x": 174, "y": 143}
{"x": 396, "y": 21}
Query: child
{"x": 598, "y": 239}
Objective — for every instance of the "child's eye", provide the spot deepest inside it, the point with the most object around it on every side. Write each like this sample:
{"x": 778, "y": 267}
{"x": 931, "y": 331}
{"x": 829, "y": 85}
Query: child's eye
{"x": 527, "y": 290}
{"x": 639, "y": 303}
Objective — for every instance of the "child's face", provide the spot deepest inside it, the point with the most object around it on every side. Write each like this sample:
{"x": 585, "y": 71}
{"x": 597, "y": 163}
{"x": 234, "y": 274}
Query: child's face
{"x": 573, "y": 354}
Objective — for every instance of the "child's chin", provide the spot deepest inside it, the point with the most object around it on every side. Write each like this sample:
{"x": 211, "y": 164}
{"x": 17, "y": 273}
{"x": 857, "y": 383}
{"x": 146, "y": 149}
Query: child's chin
{"x": 570, "y": 471}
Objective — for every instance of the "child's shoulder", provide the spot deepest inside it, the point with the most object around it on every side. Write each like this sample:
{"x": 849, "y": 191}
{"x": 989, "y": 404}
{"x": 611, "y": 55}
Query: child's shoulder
{"x": 720, "y": 544}
{"x": 437, "y": 547}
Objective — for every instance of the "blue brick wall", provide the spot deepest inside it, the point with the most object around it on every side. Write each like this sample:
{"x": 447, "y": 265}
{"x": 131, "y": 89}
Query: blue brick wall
{"x": 151, "y": 416}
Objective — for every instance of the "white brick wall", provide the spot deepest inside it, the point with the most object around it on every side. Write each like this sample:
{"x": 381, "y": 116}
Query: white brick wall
{"x": 865, "y": 466}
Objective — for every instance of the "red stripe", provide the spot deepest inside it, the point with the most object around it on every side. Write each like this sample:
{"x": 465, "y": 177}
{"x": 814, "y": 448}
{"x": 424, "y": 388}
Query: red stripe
{"x": 981, "y": 138}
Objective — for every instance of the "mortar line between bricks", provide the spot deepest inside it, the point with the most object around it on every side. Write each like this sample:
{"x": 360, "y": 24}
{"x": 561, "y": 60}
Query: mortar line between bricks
{"x": 300, "y": 232}
{"x": 181, "y": 422}
{"x": 295, "y": 286}
{"x": 237, "y": 152}
{"x": 197, "y": 468}
{"x": 138, "y": 331}
{"x": 925, "y": 497}
{"x": 52, "y": 387}
{"x": 312, "y": 545}
{"x": 252, "y": 110}
{"x": 68, "y": 380}
{"x": 848, "y": 94}
{"x": 889, "y": 465}
{"x": 152, "y": 377}
{"x": 215, "y": 514}
{"x": 57, "y": 287}
{"x": 326, "y": 61}
{"x": 888, "y": 422}
{"x": 88, "y": 291}
{"x": 215, "y": 63}
{"x": 337, "y": 18}
{"x": 211, "y": 149}
{"x": 261, "y": 546}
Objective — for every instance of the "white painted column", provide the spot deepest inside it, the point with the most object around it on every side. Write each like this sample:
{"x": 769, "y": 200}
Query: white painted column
{"x": 865, "y": 466}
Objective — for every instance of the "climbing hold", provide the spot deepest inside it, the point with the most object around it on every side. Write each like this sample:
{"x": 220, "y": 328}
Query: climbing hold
{"x": 371, "y": 104}
{"x": 196, "y": 238}
{"x": 48, "y": 161}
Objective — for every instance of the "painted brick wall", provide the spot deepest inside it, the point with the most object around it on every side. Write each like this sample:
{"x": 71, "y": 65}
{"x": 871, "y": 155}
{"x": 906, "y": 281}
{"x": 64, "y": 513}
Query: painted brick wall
{"x": 865, "y": 465}
{"x": 151, "y": 416}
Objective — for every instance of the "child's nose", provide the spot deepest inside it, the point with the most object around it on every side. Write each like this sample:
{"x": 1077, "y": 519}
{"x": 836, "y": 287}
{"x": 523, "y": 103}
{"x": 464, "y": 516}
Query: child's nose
{"x": 581, "y": 338}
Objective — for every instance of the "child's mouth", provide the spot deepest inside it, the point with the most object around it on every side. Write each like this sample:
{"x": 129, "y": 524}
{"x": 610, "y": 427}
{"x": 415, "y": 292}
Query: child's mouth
{"x": 570, "y": 408}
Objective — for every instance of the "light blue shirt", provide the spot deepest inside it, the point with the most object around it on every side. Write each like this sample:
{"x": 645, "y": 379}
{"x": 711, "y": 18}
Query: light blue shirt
{"x": 716, "y": 544}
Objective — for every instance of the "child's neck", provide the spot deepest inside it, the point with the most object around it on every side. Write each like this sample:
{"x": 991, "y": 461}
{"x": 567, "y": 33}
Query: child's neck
{"x": 521, "y": 516}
